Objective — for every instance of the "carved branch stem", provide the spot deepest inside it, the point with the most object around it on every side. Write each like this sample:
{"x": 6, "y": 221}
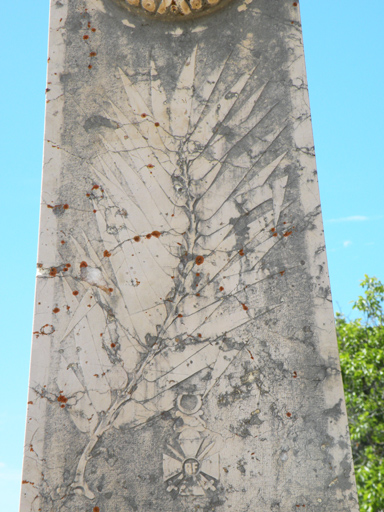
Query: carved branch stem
{"x": 80, "y": 485}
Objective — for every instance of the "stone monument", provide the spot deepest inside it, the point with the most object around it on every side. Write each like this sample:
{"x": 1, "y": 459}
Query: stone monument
{"x": 184, "y": 354}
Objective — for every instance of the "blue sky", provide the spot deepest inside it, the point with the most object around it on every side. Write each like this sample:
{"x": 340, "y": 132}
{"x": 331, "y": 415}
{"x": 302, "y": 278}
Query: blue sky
{"x": 344, "y": 43}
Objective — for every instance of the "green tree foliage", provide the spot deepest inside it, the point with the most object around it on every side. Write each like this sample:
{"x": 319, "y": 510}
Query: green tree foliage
{"x": 361, "y": 345}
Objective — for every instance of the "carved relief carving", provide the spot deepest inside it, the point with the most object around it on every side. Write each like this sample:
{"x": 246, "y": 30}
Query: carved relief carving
{"x": 191, "y": 463}
{"x": 173, "y": 8}
{"x": 170, "y": 186}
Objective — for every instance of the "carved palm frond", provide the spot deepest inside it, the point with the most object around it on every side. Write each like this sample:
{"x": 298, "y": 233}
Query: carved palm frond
{"x": 187, "y": 191}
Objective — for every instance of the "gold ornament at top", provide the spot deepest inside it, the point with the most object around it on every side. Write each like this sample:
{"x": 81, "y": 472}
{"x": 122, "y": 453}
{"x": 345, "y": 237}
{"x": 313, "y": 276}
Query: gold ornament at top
{"x": 174, "y": 8}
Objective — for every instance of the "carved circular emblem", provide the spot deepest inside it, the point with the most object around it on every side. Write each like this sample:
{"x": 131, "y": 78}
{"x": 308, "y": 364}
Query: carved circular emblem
{"x": 173, "y": 9}
{"x": 189, "y": 404}
{"x": 191, "y": 467}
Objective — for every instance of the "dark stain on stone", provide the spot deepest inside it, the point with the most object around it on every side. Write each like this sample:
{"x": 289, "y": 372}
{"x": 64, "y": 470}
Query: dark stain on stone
{"x": 97, "y": 121}
{"x": 241, "y": 467}
{"x": 213, "y": 504}
{"x": 228, "y": 344}
{"x": 334, "y": 412}
{"x": 253, "y": 420}
{"x": 150, "y": 340}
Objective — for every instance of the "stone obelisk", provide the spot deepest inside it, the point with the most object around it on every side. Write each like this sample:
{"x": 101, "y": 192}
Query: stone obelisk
{"x": 184, "y": 354}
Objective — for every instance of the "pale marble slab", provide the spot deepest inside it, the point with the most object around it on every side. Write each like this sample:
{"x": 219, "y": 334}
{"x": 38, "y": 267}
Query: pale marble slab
{"x": 184, "y": 354}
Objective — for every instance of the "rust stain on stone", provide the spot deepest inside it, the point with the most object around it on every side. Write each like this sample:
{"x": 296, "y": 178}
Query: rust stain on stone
{"x": 199, "y": 260}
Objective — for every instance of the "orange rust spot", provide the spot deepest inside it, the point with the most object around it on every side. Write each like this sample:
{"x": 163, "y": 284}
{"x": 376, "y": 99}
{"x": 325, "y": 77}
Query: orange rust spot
{"x": 294, "y": 375}
{"x": 56, "y": 310}
{"x": 93, "y": 29}
{"x": 93, "y": 54}
{"x": 282, "y": 272}
{"x": 198, "y": 294}
{"x": 199, "y": 260}
{"x": 88, "y": 195}
{"x": 143, "y": 115}
{"x": 157, "y": 124}
{"x": 65, "y": 270}
{"x": 27, "y": 482}
{"x": 156, "y": 234}
{"x": 85, "y": 37}
{"x": 89, "y": 24}
{"x": 62, "y": 399}
{"x": 241, "y": 252}
{"x": 68, "y": 265}
{"x": 274, "y": 234}
{"x": 221, "y": 288}
{"x": 83, "y": 264}
{"x": 89, "y": 67}
{"x": 273, "y": 230}
{"x": 66, "y": 206}
{"x": 197, "y": 274}
{"x": 110, "y": 290}
{"x": 113, "y": 345}
{"x": 62, "y": 242}
{"x": 245, "y": 307}
{"x": 250, "y": 353}
{"x": 136, "y": 238}
{"x": 53, "y": 271}
{"x": 96, "y": 509}
{"x": 287, "y": 233}
{"x": 95, "y": 187}
{"x": 150, "y": 166}
{"x": 172, "y": 277}
{"x": 199, "y": 335}
{"x": 75, "y": 293}
{"x": 30, "y": 403}
{"x": 94, "y": 211}
{"x": 294, "y": 4}
{"x": 179, "y": 315}
{"x": 68, "y": 308}
{"x": 107, "y": 254}
{"x": 148, "y": 236}
{"x": 289, "y": 414}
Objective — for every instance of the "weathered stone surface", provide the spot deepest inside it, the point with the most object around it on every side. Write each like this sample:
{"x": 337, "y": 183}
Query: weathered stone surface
{"x": 184, "y": 354}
